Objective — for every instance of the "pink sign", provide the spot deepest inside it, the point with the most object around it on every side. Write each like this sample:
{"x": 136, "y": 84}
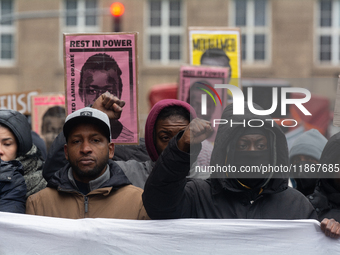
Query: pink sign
{"x": 196, "y": 81}
{"x": 96, "y": 63}
{"x": 48, "y": 116}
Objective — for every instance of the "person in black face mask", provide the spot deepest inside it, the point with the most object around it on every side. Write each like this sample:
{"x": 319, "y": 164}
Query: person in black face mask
{"x": 306, "y": 150}
{"x": 251, "y": 149}
{"x": 228, "y": 195}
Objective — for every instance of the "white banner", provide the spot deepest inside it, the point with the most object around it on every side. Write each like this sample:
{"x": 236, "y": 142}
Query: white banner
{"x": 25, "y": 234}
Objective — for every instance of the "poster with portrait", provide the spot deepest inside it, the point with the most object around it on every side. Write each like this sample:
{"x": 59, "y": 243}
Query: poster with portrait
{"x": 48, "y": 116}
{"x": 217, "y": 46}
{"x": 100, "y": 62}
{"x": 197, "y": 87}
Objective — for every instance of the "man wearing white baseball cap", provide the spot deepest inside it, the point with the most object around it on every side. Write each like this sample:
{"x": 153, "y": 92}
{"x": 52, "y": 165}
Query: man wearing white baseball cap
{"x": 91, "y": 185}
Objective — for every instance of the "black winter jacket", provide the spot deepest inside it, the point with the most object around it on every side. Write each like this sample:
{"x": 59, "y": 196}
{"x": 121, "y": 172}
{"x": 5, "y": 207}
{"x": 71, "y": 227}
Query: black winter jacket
{"x": 12, "y": 187}
{"x": 167, "y": 194}
{"x": 326, "y": 198}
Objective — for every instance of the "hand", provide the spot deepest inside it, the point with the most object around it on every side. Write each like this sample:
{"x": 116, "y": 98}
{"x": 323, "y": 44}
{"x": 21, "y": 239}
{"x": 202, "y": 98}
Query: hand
{"x": 197, "y": 131}
{"x": 109, "y": 104}
{"x": 330, "y": 227}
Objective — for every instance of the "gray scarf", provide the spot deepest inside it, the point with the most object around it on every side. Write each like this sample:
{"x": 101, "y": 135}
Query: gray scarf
{"x": 32, "y": 165}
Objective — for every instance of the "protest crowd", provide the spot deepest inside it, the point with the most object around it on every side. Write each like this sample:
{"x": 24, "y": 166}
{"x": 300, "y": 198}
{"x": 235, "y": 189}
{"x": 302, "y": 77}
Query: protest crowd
{"x": 83, "y": 174}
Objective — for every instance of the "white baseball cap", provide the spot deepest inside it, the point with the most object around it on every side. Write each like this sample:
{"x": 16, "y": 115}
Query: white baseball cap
{"x": 88, "y": 115}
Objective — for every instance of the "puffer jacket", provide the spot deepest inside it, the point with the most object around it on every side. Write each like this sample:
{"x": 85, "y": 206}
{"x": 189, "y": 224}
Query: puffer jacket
{"x": 12, "y": 187}
{"x": 167, "y": 194}
{"x": 326, "y": 197}
{"x": 115, "y": 198}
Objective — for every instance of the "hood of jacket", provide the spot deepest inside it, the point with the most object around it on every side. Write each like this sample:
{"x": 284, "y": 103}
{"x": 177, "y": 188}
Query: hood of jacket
{"x": 117, "y": 179}
{"x": 20, "y": 127}
{"x": 331, "y": 152}
{"x": 151, "y": 121}
{"x": 225, "y": 142}
{"x": 310, "y": 143}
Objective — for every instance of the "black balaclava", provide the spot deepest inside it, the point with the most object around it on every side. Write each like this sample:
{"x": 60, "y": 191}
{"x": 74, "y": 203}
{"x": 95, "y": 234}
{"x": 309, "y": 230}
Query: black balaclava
{"x": 251, "y": 158}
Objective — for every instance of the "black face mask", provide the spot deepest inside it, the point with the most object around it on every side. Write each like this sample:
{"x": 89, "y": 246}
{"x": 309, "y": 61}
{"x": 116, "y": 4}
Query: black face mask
{"x": 252, "y": 158}
{"x": 305, "y": 185}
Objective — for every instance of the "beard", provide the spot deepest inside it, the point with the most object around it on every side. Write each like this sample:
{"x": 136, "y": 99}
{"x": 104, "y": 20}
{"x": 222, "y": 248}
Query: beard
{"x": 91, "y": 174}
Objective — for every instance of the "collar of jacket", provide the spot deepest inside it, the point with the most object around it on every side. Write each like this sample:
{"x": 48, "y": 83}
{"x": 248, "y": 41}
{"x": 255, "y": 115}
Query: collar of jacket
{"x": 94, "y": 184}
{"x": 117, "y": 179}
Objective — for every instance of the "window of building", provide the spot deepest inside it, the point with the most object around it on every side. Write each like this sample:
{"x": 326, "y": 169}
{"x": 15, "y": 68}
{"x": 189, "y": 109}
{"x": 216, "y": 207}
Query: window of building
{"x": 328, "y": 32}
{"x": 7, "y": 33}
{"x": 164, "y": 37}
{"x": 253, "y": 17}
{"x": 80, "y": 16}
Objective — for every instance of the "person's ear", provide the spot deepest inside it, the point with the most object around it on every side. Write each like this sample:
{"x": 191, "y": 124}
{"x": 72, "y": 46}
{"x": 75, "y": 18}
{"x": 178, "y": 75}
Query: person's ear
{"x": 111, "y": 150}
{"x": 66, "y": 151}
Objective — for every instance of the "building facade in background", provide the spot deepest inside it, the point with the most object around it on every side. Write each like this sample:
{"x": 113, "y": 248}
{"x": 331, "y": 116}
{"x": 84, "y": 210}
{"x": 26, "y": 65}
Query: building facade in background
{"x": 280, "y": 39}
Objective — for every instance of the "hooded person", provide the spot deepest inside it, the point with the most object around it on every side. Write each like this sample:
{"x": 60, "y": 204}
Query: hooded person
{"x": 306, "y": 150}
{"x": 27, "y": 153}
{"x": 168, "y": 195}
{"x": 326, "y": 196}
{"x": 138, "y": 171}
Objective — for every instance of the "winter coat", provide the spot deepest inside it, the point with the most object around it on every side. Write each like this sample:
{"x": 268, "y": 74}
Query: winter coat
{"x": 115, "y": 198}
{"x": 12, "y": 187}
{"x": 168, "y": 195}
{"x": 326, "y": 198}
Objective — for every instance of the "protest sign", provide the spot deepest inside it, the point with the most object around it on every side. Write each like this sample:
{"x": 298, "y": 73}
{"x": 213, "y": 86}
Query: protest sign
{"x": 20, "y": 102}
{"x": 48, "y": 116}
{"x": 217, "y": 46}
{"x": 96, "y": 63}
{"x": 197, "y": 81}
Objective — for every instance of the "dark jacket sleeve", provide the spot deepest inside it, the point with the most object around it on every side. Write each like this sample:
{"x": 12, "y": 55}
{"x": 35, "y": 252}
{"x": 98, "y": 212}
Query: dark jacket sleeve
{"x": 12, "y": 188}
{"x": 165, "y": 193}
{"x": 55, "y": 157}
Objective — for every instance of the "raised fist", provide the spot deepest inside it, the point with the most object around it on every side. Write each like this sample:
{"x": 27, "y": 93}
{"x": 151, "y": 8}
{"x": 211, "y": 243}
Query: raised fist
{"x": 197, "y": 131}
{"x": 109, "y": 104}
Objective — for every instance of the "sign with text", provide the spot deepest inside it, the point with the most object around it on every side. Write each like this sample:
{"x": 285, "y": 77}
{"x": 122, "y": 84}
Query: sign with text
{"x": 196, "y": 87}
{"x": 96, "y": 63}
{"x": 20, "y": 102}
{"x": 217, "y": 46}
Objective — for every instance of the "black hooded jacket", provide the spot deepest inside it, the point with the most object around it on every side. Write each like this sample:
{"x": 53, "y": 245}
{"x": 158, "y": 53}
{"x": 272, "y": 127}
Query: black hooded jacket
{"x": 326, "y": 198}
{"x": 167, "y": 194}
